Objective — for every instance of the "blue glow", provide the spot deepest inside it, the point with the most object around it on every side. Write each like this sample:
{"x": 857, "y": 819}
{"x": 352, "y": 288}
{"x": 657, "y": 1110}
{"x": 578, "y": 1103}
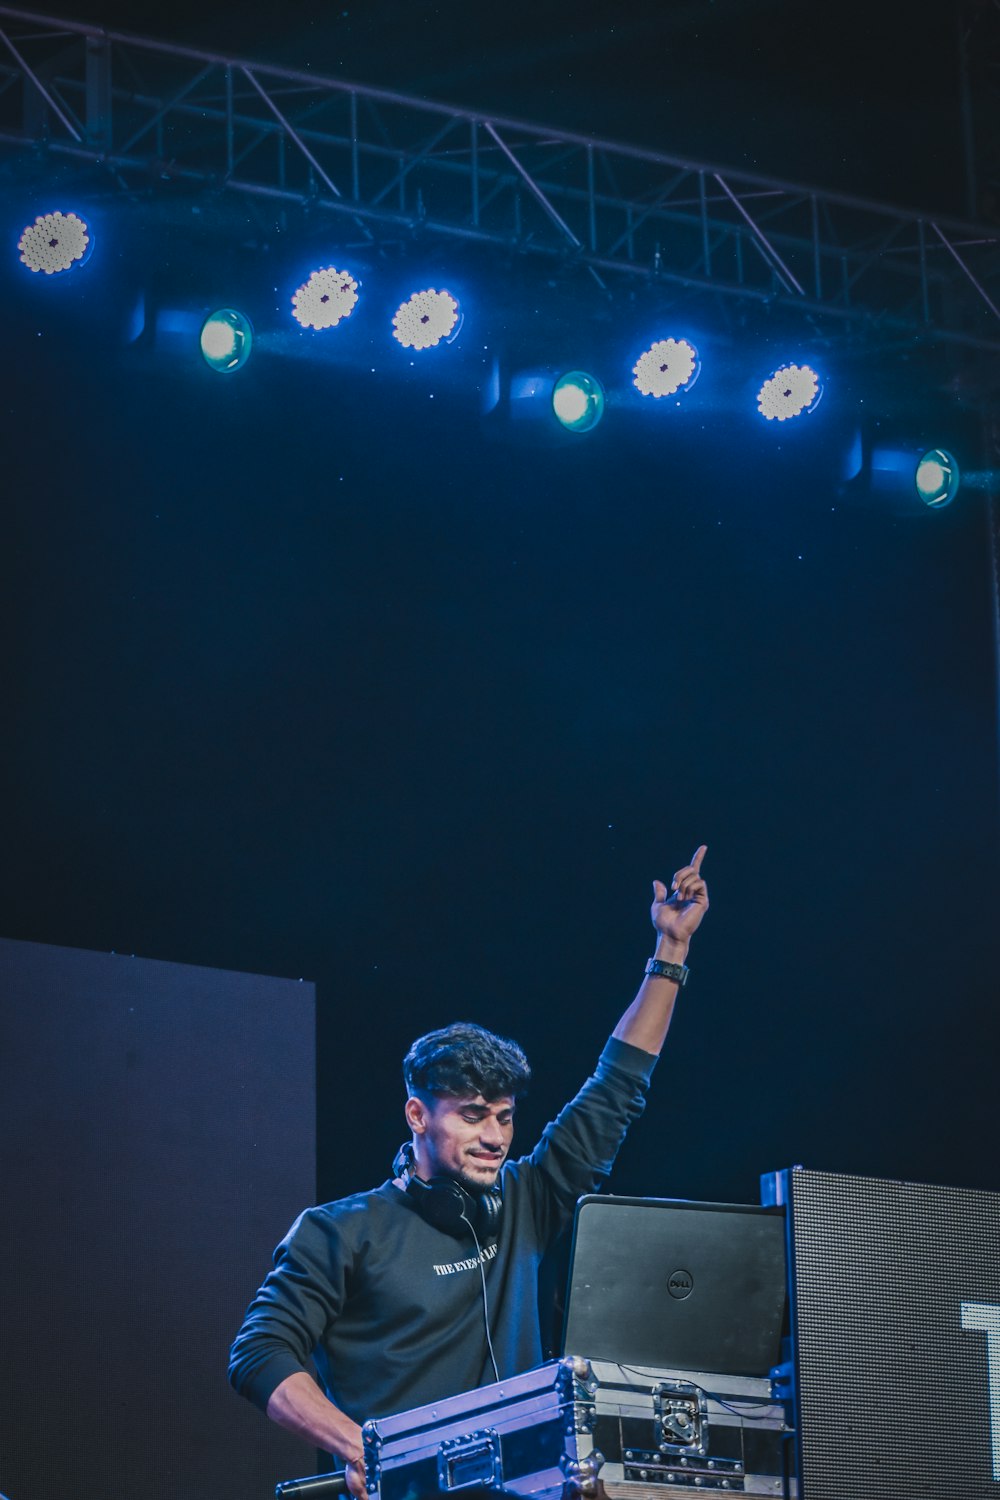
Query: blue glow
{"x": 852, "y": 460}
{"x": 226, "y": 340}
{"x": 527, "y": 385}
{"x": 578, "y": 401}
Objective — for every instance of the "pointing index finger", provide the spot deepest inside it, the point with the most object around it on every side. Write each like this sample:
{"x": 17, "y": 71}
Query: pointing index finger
{"x": 697, "y": 857}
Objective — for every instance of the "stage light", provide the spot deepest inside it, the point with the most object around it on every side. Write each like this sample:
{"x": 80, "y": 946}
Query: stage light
{"x": 425, "y": 319}
{"x": 55, "y": 242}
{"x": 914, "y": 479}
{"x": 791, "y": 391}
{"x": 668, "y": 366}
{"x": 937, "y": 478}
{"x": 578, "y": 400}
{"x": 226, "y": 340}
{"x": 325, "y": 299}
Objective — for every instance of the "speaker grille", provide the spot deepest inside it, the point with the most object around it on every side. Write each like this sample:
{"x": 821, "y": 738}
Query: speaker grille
{"x": 894, "y": 1392}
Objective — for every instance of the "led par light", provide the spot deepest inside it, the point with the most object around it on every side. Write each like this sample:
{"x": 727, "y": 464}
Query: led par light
{"x": 55, "y": 243}
{"x": 426, "y": 319}
{"x": 326, "y": 299}
{"x": 792, "y": 391}
{"x": 668, "y": 366}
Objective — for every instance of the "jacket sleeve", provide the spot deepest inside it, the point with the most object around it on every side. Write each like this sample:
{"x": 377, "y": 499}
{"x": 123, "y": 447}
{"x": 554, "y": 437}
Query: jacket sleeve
{"x": 578, "y": 1149}
{"x": 299, "y": 1299}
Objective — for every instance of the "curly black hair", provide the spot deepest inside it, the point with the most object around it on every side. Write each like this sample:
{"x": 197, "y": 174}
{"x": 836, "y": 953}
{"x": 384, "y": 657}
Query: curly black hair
{"x": 464, "y": 1059}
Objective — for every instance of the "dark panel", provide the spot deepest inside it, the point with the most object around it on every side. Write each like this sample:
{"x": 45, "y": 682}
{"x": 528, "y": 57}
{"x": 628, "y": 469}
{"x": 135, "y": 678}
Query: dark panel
{"x": 157, "y": 1140}
{"x": 897, "y": 1304}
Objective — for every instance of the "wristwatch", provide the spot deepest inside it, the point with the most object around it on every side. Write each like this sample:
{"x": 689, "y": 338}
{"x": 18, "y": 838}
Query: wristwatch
{"x": 659, "y": 968}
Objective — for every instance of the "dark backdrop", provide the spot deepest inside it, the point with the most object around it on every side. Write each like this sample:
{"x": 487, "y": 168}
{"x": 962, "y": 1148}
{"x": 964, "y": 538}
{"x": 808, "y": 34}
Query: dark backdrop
{"x": 155, "y": 1120}
{"x": 307, "y": 675}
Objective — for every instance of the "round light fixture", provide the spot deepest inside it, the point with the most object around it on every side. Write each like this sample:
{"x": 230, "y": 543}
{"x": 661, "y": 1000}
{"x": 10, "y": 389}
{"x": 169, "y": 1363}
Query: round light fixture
{"x": 578, "y": 401}
{"x": 426, "y": 319}
{"x": 792, "y": 391}
{"x": 325, "y": 299}
{"x": 937, "y": 478}
{"x": 226, "y": 340}
{"x": 668, "y": 366}
{"x": 55, "y": 242}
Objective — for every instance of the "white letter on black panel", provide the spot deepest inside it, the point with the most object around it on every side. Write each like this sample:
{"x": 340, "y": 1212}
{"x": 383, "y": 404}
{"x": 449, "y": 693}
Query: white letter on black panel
{"x": 984, "y": 1318}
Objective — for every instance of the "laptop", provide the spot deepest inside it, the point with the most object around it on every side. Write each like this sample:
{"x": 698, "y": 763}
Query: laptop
{"x": 669, "y": 1284}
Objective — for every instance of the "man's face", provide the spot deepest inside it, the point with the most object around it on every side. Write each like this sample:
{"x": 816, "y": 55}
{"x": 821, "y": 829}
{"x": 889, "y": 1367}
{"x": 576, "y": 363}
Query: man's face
{"x": 467, "y": 1138}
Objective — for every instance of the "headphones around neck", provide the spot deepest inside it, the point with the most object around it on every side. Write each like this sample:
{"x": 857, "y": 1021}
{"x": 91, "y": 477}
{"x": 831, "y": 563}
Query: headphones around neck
{"x": 447, "y": 1205}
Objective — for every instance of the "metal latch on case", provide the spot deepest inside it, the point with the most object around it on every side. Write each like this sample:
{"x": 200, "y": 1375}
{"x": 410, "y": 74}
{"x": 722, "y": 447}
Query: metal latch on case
{"x": 680, "y": 1417}
{"x": 474, "y": 1459}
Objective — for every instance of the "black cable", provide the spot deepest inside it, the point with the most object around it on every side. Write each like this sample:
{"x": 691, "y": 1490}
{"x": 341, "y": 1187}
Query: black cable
{"x": 737, "y": 1411}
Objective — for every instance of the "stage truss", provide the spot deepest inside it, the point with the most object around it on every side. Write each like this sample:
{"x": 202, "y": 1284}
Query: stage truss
{"x": 153, "y": 117}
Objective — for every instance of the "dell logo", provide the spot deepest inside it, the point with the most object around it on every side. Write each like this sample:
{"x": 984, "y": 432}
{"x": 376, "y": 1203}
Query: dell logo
{"x": 680, "y": 1284}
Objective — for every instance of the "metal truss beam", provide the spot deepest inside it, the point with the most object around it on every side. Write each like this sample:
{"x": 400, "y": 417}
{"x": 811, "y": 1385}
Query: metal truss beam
{"x": 156, "y": 115}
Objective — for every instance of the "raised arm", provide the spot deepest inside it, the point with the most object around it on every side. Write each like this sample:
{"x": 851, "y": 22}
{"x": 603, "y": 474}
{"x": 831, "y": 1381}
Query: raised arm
{"x": 676, "y": 915}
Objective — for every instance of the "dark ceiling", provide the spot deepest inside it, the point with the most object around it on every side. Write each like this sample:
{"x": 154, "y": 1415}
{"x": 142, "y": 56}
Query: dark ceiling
{"x": 859, "y": 97}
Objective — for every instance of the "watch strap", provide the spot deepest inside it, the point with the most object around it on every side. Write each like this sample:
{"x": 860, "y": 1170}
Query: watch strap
{"x": 660, "y": 969}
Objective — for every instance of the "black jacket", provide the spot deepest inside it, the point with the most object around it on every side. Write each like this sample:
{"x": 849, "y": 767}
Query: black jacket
{"x": 391, "y": 1308}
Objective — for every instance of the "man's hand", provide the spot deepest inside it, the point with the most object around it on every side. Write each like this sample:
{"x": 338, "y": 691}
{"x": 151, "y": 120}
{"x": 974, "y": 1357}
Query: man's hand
{"x": 354, "y": 1473}
{"x": 678, "y": 912}
{"x": 298, "y": 1405}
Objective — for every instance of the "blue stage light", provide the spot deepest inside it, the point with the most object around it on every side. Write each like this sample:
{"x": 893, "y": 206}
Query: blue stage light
{"x": 55, "y": 242}
{"x": 426, "y": 319}
{"x": 325, "y": 299}
{"x": 578, "y": 400}
{"x": 226, "y": 340}
{"x": 913, "y": 479}
{"x": 668, "y": 366}
{"x": 792, "y": 391}
{"x": 937, "y": 478}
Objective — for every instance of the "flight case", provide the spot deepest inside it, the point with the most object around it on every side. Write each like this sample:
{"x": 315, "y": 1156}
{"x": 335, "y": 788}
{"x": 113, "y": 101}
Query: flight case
{"x": 591, "y": 1428}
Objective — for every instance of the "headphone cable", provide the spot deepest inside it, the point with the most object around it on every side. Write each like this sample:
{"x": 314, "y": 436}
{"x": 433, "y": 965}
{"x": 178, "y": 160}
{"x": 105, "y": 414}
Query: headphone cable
{"x": 486, "y": 1305}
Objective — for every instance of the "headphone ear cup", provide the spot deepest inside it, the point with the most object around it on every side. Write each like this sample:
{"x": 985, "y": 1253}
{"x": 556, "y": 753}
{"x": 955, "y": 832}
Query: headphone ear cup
{"x": 489, "y": 1214}
{"x": 442, "y": 1202}
{"x": 445, "y": 1204}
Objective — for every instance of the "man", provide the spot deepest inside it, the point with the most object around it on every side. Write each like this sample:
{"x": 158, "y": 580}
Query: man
{"x": 427, "y": 1285}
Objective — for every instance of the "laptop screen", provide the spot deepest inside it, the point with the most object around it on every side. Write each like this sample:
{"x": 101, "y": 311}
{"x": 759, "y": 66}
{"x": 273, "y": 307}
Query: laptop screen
{"x": 676, "y": 1285}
